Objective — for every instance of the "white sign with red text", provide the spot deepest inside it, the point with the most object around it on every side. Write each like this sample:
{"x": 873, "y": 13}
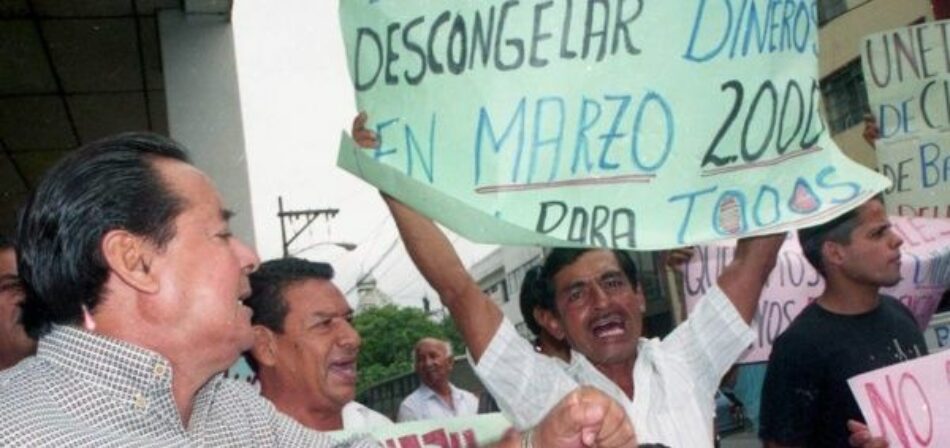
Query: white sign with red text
{"x": 907, "y": 403}
{"x": 458, "y": 432}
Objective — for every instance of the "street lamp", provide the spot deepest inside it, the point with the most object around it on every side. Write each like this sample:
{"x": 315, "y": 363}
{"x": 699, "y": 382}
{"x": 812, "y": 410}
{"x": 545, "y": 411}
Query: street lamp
{"x": 349, "y": 247}
{"x": 308, "y": 216}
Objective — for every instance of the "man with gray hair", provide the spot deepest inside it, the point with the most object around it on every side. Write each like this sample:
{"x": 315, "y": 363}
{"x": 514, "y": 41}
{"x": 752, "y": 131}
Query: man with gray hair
{"x": 436, "y": 397}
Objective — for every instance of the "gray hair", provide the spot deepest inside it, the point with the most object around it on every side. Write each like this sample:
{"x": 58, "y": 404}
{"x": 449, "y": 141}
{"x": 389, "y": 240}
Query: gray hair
{"x": 446, "y": 344}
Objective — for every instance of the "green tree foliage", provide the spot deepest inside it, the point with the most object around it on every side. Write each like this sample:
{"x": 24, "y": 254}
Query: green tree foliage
{"x": 451, "y": 334}
{"x": 389, "y": 333}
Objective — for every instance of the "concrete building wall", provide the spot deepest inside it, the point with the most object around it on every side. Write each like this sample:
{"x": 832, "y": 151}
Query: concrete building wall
{"x": 204, "y": 106}
{"x": 500, "y": 274}
{"x": 839, "y": 42}
{"x": 296, "y": 98}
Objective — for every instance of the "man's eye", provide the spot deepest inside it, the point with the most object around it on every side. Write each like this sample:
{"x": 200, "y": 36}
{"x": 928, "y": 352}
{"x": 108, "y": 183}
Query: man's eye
{"x": 575, "y": 294}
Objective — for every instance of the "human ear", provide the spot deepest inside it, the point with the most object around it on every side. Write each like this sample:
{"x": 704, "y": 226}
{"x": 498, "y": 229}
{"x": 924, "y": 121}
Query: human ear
{"x": 129, "y": 257}
{"x": 832, "y": 254}
{"x": 549, "y": 322}
{"x": 264, "y": 349}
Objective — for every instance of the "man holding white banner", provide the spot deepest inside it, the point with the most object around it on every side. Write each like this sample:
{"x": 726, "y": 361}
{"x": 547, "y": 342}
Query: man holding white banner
{"x": 598, "y": 309}
{"x": 848, "y": 330}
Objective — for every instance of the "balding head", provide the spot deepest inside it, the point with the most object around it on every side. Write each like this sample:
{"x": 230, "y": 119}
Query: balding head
{"x": 433, "y": 362}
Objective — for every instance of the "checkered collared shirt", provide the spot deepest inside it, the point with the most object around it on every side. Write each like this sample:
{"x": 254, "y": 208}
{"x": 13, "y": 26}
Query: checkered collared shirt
{"x": 83, "y": 389}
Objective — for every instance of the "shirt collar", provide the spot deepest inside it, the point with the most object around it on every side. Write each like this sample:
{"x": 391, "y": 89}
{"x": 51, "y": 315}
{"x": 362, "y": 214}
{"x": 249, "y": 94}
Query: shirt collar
{"x": 427, "y": 391}
{"x": 116, "y": 365}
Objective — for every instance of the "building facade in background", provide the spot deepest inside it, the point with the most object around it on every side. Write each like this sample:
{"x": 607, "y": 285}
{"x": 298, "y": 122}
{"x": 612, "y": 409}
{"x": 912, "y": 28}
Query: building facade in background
{"x": 843, "y": 25}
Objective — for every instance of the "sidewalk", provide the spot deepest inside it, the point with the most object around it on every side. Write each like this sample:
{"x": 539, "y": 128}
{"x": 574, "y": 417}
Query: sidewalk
{"x": 745, "y": 439}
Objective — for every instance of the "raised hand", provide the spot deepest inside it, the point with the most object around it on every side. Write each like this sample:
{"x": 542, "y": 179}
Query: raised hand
{"x": 364, "y": 137}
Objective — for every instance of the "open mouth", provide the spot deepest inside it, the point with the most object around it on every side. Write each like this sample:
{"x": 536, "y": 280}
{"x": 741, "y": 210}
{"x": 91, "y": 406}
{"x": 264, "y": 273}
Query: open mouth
{"x": 345, "y": 370}
{"x": 609, "y": 326}
{"x": 242, "y": 306}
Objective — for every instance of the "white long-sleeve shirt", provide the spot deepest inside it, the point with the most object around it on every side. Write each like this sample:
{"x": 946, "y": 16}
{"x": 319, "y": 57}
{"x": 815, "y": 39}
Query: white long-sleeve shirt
{"x": 674, "y": 379}
{"x": 424, "y": 404}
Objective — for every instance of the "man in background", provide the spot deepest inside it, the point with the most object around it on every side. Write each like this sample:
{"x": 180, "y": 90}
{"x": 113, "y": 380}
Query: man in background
{"x": 14, "y": 343}
{"x": 305, "y": 346}
{"x": 436, "y": 397}
{"x": 848, "y": 330}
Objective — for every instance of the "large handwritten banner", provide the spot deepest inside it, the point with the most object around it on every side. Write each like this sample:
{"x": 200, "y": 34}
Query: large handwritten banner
{"x": 793, "y": 284}
{"x": 919, "y": 169}
{"x": 613, "y": 123}
{"x": 906, "y": 403}
{"x": 460, "y": 432}
{"x": 907, "y": 74}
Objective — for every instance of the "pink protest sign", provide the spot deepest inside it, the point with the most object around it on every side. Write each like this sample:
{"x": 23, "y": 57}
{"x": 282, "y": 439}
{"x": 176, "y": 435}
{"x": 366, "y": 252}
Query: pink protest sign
{"x": 793, "y": 284}
{"x": 906, "y": 403}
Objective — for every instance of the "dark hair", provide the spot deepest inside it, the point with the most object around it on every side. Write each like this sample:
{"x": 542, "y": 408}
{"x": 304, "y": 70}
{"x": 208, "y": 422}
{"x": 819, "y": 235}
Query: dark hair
{"x": 5, "y": 242}
{"x": 268, "y": 284}
{"x": 559, "y": 258}
{"x": 837, "y": 230}
{"x": 105, "y": 185}
{"x": 530, "y": 297}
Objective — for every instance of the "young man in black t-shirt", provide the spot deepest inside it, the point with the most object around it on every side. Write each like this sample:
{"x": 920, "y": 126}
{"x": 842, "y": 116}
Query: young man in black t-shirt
{"x": 848, "y": 330}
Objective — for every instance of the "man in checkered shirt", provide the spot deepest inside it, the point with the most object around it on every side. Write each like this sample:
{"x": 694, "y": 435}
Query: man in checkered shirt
{"x": 134, "y": 288}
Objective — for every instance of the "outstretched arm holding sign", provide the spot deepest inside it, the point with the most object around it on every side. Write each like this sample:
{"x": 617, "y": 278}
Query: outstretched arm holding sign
{"x": 744, "y": 278}
{"x": 594, "y": 302}
{"x": 474, "y": 313}
{"x": 476, "y": 316}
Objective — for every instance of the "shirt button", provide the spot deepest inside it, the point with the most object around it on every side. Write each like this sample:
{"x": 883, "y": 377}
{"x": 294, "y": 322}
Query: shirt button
{"x": 140, "y": 401}
{"x": 159, "y": 370}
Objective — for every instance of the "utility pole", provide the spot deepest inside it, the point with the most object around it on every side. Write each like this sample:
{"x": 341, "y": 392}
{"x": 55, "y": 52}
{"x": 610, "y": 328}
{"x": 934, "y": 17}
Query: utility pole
{"x": 287, "y": 216}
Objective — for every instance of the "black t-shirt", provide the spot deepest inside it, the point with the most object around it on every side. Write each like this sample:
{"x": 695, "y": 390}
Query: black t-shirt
{"x": 805, "y": 398}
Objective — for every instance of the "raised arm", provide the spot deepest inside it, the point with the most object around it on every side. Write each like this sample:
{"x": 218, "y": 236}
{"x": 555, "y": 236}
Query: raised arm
{"x": 475, "y": 315}
{"x": 743, "y": 279}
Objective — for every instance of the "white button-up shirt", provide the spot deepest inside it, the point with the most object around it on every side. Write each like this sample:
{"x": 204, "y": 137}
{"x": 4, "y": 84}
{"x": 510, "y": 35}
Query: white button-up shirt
{"x": 424, "y": 404}
{"x": 357, "y": 417}
{"x": 674, "y": 379}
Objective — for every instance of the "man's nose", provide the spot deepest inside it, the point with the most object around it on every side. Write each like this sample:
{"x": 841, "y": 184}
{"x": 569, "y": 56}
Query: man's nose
{"x": 598, "y": 297}
{"x": 350, "y": 338}
{"x": 897, "y": 240}
{"x": 247, "y": 257}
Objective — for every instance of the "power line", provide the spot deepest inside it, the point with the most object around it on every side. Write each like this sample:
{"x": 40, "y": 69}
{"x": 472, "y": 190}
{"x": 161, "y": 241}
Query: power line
{"x": 413, "y": 280}
{"x": 375, "y": 234}
{"x": 375, "y": 265}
